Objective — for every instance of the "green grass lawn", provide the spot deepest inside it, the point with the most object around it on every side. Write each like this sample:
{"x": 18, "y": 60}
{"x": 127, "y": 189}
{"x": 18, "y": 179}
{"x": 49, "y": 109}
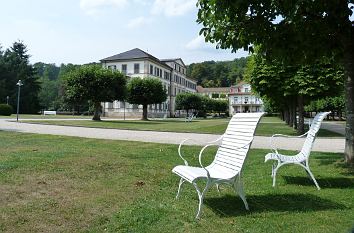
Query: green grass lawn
{"x": 268, "y": 126}
{"x": 37, "y": 116}
{"x": 68, "y": 184}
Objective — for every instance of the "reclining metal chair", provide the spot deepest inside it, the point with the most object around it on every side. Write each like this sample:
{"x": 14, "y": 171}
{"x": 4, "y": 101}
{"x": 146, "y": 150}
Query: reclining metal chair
{"x": 228, "y": 161}
{"x": 302, "y": 158}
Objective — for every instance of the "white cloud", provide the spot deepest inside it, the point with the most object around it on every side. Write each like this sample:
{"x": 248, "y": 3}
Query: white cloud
{"x": 199, "y": 43}
{"x": 138, "y": 22}
{"x": 173, "y": 7}
{"x": 91, "y": 7}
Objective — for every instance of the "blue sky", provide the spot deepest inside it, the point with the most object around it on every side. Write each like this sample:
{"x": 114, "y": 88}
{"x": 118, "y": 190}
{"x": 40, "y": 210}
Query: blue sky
{"x": 82, "y": 31}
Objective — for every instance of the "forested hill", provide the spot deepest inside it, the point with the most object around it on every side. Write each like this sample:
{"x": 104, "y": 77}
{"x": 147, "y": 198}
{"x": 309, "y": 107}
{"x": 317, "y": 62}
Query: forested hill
{"x": 218, "y": 74}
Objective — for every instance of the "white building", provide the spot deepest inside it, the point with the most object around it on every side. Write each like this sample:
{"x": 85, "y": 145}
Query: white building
{"x": 218, "y": 93}
{"x": 137, "y": 63}
{"x": 241, "y": 99}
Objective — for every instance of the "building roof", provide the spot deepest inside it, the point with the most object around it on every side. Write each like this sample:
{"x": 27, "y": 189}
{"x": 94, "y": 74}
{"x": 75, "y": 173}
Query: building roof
{"x": 241, "y": 83}
{"x": 201, "y": 89}
{"x": 131, "y": 54}
{"x": 173, "y": 59}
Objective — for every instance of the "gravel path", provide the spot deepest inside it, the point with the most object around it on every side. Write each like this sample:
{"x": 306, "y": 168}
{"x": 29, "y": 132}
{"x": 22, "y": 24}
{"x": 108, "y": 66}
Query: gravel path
{"x": 321, "y": 144}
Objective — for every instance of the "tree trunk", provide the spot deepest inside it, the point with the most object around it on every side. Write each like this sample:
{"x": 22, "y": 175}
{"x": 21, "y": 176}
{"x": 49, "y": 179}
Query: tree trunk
{"x": 145, "y": 112}
{"x": 97, "y": 114}
{"x": 287, "y": 115}
{"x": 300, "y": 105}
{"x": 349, "y": 91}
{"x": 293, "y": 112}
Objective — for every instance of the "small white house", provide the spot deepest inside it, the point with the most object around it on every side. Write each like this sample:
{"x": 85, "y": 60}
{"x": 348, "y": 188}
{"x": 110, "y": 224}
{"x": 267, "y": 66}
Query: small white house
{"x": 241, "y": 99}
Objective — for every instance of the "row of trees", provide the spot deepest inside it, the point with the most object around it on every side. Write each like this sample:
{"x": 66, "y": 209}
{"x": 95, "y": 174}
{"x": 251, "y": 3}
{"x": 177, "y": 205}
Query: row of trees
{"x": 292, "y": 33}
{"x": 94, "y": 84}
{"x": 291, "y": 87}
{"x": 201, "y": 104}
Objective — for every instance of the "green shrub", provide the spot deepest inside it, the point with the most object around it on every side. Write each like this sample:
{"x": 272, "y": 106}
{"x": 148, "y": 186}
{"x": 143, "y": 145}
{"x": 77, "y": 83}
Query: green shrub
{"x": 5, "y": 110}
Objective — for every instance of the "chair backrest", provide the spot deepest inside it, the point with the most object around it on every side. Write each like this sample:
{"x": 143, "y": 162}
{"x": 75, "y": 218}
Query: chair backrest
{"x": 239, "y": 132}
{"x": 311, "y": 134}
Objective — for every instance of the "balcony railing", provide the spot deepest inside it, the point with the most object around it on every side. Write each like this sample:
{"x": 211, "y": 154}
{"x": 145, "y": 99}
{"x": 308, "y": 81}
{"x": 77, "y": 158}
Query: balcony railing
{"x": 246, "y": 102}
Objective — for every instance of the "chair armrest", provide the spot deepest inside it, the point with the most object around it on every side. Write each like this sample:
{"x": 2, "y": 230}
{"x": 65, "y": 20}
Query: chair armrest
{"x": 189, "y": 139}
{"x": 180, "y": 152}
{"x": 274, "y": 148}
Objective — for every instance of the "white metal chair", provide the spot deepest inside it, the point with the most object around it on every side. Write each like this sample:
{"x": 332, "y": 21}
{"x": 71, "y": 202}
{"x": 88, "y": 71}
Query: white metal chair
{"x": 190, "y": 117}
{"x": 302, "y": 158}
{"x": 228, "y": 161}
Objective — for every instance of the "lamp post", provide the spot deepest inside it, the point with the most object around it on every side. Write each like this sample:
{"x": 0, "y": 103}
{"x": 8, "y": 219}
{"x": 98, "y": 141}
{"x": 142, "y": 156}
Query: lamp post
{"x": 124, "y": 111}
{"x": 19, "y": 84}
{"x": 7, "y": 100}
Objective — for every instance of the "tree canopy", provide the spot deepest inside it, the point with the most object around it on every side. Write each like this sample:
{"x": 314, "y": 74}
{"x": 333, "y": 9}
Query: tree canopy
{"x": 188, "y": 101}
{"x": 146, "y": 91}
{"x": 96, "y": 84}
{"x": 217, "y": 74}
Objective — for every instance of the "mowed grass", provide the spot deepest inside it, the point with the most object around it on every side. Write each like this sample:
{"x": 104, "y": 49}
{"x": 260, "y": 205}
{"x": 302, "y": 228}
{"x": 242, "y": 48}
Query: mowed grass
{"x": 38, "y": 116}
{"x": 267, "y": 127}
{"x": 68, "y": 184}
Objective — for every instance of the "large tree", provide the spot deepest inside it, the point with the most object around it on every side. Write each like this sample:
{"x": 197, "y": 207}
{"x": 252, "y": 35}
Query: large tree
{"x": 96, "y": 84}
{"x": 293, "y": 31}
{"x": 14, "y": 66}
{"x": 188, "y": 101}
{"x": 146, "y": 91}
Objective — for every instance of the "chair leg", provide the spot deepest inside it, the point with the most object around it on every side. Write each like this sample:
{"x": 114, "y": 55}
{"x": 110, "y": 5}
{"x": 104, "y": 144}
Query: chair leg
{"x": 239, "y": 189}
{"x": 218, "y": 188}
{"x": 307, "y": 168}
{"x": 181, "y": 181}
{"x": 201, "y": 197}
{"x": 275, "y": 173}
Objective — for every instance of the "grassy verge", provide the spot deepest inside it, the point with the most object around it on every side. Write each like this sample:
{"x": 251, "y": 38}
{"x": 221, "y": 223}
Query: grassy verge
{"x": 55, "y": 183}
{"x": 267, "y": 127}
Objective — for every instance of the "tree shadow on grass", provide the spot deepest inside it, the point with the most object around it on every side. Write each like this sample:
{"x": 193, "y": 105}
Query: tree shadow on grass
{"x": 233, "y": 206}
{"x": 329, "y": 182}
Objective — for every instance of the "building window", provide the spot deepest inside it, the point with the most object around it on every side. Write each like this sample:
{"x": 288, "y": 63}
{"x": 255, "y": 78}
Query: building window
{"x": 235, "y": 99}
{"x": 151, "y": 69}
{"x": 160, "y": 73}
{"x": 246, "y": 90}
{"x": 214, "y": 95}
{"x": 175, "y": 66}
{"x": 246, "y": 100}
{"x": 114, "y": 67}
{"x": 124, "y": 69}
{"x": 136, "y": 68}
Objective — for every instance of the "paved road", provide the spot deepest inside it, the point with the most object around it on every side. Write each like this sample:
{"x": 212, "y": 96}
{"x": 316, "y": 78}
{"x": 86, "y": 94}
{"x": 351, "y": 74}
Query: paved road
{"x": 338, "y": 127}
{"x": 321, "y": 144}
